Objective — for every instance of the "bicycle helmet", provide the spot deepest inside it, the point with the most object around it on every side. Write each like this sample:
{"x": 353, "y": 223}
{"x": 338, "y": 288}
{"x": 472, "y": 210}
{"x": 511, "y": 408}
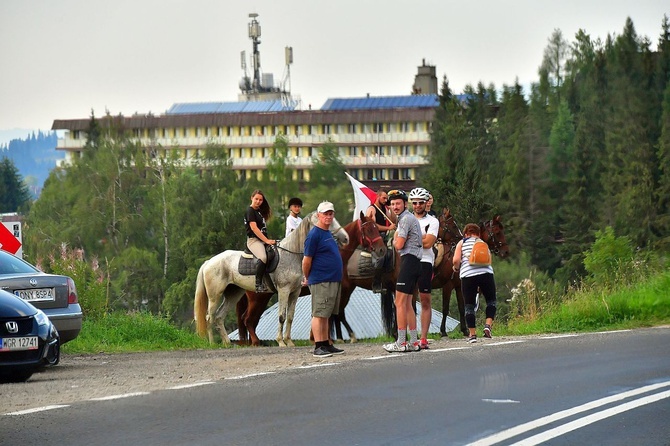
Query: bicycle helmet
{"x": 395, "y": 194}
{"x": 419, "y": 193}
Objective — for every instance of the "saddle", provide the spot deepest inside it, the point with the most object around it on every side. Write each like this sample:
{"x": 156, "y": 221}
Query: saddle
{"x": 248, "y": 263}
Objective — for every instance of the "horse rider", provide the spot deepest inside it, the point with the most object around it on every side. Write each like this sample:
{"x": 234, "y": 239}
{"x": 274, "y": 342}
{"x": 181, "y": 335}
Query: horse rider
{"x": 293, "y": 220}
{"x": 381, "y": 214}
{"x": 386, "y": 221}
{"x": 255, "y": 217}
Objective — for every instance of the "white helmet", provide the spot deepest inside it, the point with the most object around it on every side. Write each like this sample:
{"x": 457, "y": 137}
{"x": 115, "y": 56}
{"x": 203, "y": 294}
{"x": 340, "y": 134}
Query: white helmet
{"x": 419, "y": 193}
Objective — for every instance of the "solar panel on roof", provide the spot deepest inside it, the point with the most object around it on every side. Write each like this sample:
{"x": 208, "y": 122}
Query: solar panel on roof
{"x": 228, "y": 107}
{"x": 384, "y": 102}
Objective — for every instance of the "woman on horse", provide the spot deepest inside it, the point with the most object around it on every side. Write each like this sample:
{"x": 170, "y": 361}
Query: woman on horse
{"x": 257, "y": 236}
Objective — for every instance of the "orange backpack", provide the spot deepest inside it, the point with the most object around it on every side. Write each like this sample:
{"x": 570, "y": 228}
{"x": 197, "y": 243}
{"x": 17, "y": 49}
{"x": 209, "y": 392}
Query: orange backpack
{"x": 480, "y": 254}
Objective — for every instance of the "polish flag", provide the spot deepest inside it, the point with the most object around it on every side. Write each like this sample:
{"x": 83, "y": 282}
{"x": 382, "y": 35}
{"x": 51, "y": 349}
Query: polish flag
{"x": 363, "y": 196}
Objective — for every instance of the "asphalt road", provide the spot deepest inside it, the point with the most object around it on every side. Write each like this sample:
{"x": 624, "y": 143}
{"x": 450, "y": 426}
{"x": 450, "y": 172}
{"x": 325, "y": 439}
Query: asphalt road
{"x": 601, "y": 388}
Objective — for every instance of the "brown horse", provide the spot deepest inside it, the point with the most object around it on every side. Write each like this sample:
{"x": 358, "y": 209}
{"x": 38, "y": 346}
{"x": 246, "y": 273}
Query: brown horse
{"x": 444, "y": 277}
{"x": 362, "y": 232}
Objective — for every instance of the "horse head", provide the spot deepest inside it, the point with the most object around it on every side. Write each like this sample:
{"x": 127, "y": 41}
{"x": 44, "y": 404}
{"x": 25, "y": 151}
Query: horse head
{"x": 449, "y": 233}
{"x": 339, "y": 234}
{"x": 369, "y": 237}
{"x": 492, "y": 233}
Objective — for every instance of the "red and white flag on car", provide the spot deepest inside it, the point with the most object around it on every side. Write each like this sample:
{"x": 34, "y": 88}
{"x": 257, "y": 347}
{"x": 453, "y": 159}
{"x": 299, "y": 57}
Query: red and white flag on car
{"x": 363, "y": 196}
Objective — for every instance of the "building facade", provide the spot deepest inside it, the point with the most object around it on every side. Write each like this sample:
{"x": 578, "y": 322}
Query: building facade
{"x": 382, "y": 141}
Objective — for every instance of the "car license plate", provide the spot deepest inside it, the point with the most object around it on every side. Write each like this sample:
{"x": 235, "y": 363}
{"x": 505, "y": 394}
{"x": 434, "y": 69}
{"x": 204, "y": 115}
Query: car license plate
{"x": 37, "y": 294}
{"x": 13, "y": 344}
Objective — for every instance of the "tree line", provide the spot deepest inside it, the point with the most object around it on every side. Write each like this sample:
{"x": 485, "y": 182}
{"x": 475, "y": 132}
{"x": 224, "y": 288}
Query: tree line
{"x": 588, "y": 147}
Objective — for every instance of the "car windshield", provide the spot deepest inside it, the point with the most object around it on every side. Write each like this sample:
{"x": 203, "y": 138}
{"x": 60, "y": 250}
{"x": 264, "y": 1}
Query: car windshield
{"x": 13, "y": 265}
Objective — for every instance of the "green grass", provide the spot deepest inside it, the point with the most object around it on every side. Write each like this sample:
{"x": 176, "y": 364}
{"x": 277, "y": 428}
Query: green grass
{"x": 121, "y": 332}
{"x": 640, "y": 305}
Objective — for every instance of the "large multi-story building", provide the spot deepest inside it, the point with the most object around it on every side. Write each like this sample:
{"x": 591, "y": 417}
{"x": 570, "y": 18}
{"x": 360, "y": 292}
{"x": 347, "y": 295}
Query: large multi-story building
{"x": 381, "y": 141}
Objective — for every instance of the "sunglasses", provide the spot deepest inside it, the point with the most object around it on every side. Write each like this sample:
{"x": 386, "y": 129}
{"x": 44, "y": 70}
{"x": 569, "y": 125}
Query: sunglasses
{"x": 417, "y": 203}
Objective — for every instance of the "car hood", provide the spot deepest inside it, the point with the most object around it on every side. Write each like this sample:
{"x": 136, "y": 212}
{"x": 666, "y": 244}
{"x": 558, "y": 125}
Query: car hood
{"x": 12, "y": 306}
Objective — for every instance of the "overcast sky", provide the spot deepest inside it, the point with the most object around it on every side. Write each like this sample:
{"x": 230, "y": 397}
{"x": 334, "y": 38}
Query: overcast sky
{"x": 61, "y": 58}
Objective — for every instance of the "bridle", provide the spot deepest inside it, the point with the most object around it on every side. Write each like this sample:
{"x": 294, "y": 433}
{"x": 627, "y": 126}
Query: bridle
{"x": 456, "y": 236}
{"x": 497, "y": 245}
{"x": 365, "y": 241}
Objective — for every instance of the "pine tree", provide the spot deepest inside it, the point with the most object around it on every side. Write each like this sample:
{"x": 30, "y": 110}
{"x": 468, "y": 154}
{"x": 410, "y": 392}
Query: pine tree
{"x": 14, "y": 194}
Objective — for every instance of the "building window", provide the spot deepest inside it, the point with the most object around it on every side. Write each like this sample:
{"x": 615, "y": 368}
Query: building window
{"x": 404, "y": 127}
{"x": 353, "y": 151}
{"x": 405, "y": 174}
{"x": 326, "y": 129}
{"x": 352, "y": 128}
{"x": 369, "y": 174}
{"x": 378, "y": 127}
{"x": 395, "y": 174}
{"x": 379, "y": 174}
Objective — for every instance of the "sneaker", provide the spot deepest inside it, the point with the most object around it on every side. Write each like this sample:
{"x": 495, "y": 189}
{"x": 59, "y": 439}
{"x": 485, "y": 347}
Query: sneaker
{"x": 322, "y": 352}
{"x": 334, "y": 350}
{"x": 472, "y": 339}
{"x": 424, "y": 344}
{"x": 487, "y": 331}
{"x": 414, "y": 347}
{"x": 394, "y": 347}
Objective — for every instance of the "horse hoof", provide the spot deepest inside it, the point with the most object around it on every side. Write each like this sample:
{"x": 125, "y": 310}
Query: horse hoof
{"x": 353, "y": 340}
{"x": 289, "y": 344}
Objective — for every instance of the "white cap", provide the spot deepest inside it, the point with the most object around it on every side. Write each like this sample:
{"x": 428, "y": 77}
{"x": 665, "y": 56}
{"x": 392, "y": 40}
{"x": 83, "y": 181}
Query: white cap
{"x": 325, "y": 206}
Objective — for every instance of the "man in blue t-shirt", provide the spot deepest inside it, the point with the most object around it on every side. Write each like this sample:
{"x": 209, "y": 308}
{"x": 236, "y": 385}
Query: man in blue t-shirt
{"x": 322, "y": 268}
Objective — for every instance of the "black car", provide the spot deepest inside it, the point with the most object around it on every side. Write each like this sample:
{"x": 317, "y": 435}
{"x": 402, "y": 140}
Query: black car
{"x": 55, "y": 295}
{"x": 28, "y": 339}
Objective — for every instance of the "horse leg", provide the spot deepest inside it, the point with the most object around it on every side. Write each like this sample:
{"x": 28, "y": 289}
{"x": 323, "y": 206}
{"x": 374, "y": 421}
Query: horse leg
{"x": 219, "y": 322}
{"x": 446, "y": 299}
{"x": 282, "y": 307}
{"x": 350, "y": 331}
{"x": 293, "y": 300}
{"x": 241, "y": 311}
{"x": 257, "y": 306}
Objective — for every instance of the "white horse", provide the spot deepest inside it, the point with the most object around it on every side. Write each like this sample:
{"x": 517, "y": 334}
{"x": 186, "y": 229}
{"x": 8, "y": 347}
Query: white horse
{"x": 219, "y": 278}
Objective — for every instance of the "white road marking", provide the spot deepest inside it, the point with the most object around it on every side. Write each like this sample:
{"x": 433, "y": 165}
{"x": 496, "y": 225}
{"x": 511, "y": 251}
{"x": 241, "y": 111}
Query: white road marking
{"x": 559, "y": 336}
{"x": 38, "y": 409}
{"x": 117, "y": 397}
{"x": 251, "y": 375}
{"x": 391, "y": 355}
{"x": 435, "y": 350}
{"x": 574, "y": 425}
{"x": 188, "y": 386}
{"x": 503, "y": 343}
{"x": 525, "y": 427}
{"x": 488, "y": 400}
{"x": 313, "y": 366}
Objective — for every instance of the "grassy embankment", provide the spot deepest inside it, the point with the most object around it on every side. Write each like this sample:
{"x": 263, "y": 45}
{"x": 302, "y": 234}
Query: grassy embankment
{"x": 588, "y": 309}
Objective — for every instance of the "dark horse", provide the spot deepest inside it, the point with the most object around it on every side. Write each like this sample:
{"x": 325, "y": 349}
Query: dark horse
{"x": 443, "y": 273}
{"x": 362, "y": 233}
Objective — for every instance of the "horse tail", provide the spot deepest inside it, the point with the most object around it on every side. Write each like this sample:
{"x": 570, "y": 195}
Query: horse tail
{"x": 201, "y": 303}
{"x": 388, "y": 313}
